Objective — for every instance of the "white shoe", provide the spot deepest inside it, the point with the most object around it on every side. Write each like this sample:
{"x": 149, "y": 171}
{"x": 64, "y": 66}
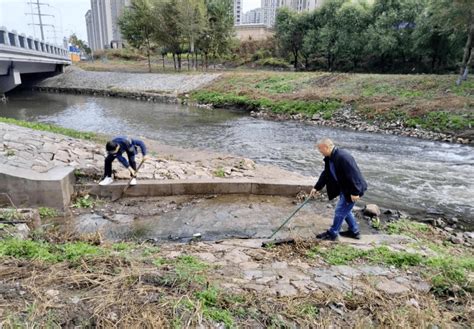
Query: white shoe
{"x": 106, "y": 181}
{"x": 133, "y": 181}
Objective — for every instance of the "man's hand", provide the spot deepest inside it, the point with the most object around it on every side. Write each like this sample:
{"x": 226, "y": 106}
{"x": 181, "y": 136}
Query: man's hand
{"x": 313, "y": 193}
{"x": 354, "y": 198}
{"x": 132, "y": 172}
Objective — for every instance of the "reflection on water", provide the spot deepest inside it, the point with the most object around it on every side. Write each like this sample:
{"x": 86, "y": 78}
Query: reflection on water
{"x": 402, "y": 172}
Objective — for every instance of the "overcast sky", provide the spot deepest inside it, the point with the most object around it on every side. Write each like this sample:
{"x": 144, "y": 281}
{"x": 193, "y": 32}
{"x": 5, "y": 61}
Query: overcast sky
{"x": 68, "y": 17}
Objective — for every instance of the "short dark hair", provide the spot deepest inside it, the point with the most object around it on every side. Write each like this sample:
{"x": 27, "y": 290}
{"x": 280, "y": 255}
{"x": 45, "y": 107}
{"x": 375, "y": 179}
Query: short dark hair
{"x": 111, "y": 146}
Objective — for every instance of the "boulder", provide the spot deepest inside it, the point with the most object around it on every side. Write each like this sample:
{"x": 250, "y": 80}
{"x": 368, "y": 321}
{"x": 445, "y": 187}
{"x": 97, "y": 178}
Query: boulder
{"x": 372, "y": 210}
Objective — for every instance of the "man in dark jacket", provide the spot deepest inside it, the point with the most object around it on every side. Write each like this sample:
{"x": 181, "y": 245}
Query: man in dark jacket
{"x": 115, "y": 148}
{"x": 342, "y": 178}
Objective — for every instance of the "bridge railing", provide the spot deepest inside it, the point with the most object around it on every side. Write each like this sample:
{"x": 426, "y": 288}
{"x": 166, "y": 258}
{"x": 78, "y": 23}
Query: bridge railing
{"x": 14, "y": 41}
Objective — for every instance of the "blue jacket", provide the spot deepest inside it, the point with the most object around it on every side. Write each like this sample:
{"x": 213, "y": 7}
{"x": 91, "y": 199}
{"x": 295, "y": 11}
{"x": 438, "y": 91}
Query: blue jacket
{"x": 130, "y": 146}
{"x": 344, "y": 176}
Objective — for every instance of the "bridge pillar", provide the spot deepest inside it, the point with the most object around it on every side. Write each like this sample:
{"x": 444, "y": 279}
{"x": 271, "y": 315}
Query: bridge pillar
{"x": 9, "y": 81}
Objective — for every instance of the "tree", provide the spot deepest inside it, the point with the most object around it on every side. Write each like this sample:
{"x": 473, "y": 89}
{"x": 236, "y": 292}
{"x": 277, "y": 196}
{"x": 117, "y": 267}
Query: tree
{"x": 352, "y": 20}
{"x": 290, "y": 31}
{"x": 216, "y": 39}
{"x": 191, "y": 22}
{"x": 168, "y": 31}
{"x": 137, "y": 26}
{"x": 328, "y": 31}
{"x": 81, "y": 44}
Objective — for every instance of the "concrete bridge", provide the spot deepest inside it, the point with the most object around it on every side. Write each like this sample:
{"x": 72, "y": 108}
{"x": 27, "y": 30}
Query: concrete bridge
{"x": 22, "y": 56}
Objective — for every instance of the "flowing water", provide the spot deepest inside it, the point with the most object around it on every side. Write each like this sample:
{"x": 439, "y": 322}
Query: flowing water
{"x": 402, "y": 173}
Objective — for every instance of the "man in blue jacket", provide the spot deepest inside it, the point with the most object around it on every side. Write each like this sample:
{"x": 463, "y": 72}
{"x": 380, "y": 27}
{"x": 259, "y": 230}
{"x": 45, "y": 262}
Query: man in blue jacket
{"x": 115, "y": 148}
{"x": 342, "y": 178}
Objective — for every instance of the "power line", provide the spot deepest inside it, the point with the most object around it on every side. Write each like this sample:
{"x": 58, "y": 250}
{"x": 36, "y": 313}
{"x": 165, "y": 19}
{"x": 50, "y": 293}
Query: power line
{"x": 40, "y": 15}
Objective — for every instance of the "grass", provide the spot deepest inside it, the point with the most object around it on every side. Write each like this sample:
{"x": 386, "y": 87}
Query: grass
{"x": 51, "y": 128}
{"x": 219, "y": 172}
{"x": 46, "y": 212}
{"x": 406, "y": 227}
{"x": 43, "y": 251}
{"x": 444, "y": 271}
{"x": 84, "y": 202}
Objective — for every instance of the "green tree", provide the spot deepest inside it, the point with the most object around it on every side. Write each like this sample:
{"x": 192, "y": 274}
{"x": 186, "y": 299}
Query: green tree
{"x": 352, "y": 19}
{"x": 290, "y": 30}
{"x": 168, "y": 31}
{"x": 137, "y": 26}
{"x": 192, "y": 23}
{"x": 216, "y": 38}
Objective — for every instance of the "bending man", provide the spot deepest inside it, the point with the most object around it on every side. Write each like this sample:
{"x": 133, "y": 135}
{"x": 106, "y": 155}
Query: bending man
{"x": 115, "y": 148}
{"x": 342, "y": 178}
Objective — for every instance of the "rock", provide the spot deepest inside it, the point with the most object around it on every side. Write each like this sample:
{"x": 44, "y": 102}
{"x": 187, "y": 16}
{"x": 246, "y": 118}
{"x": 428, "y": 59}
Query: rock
{"x": 452, "y": 220}
{"x": 468, "y": 235}
{"x": 412, "y": 302}
{"x": 316, "y": 116}
{"x": 456, "y": 240}
{"x": 391, "y": 287}
{"x": 372, "y": 210}
{"x": 21, "y": 231}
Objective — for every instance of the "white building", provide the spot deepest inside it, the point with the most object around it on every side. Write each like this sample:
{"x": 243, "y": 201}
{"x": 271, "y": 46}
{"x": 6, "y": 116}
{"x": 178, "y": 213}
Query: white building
{"x": 254, "y": 16}
{"x": 102, "y": 23}
{"x": 237, "y": 12}
{"x": 270, "y": 7}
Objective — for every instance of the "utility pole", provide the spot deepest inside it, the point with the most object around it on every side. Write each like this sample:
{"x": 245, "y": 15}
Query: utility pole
{"x": 40, "y": 15}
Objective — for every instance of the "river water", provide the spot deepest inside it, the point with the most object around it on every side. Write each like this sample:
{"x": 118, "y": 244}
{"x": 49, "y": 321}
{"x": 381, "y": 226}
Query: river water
{"x": 402, "y": 173}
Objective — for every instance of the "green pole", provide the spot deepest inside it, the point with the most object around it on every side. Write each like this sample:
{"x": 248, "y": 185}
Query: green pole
{"x": 294, "y": 212}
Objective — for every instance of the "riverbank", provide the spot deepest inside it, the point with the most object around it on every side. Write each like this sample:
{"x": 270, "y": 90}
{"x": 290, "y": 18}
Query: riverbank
{"x": 423, "y": 106}
{"x": 409, "y": 276}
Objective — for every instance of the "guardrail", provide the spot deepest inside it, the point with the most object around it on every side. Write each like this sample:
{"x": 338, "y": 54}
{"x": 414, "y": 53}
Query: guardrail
{"x": 11, "y": 40}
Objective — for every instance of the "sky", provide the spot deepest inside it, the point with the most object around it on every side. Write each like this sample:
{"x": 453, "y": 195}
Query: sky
{"x": 68, "y": 17}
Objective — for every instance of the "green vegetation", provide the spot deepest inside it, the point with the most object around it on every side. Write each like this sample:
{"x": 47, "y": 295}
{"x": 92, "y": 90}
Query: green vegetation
{"x": 84, "y": 202}
{"x": 46, "y": 212}
{"x": 406, "y": 227}
{"x": 37, "y": 250}
{"x": 444, "y": 271}
{"x": 219, "y": 172}
{"x": 51, "y": 128}
{"x": 10, "y": 153}
{"x": 325, "y": 107}
{"x": 188, "y": 269}
{"x": 384, "y": 36}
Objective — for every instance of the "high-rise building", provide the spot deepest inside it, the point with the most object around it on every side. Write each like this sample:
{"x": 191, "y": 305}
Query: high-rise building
{"x": 102, "y": 23}
{"x": 254, "y": 16}
{"x": 270, "y": 7}
{"x": 237, "y": 12}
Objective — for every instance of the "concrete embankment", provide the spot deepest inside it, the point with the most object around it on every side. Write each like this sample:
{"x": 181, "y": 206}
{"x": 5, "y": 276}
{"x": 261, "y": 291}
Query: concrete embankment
{"x": 140, "y": 86}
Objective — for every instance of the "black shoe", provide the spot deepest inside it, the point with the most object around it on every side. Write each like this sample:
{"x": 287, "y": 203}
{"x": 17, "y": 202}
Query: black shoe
{"x": 350, "y": 234}
{"x": 327, "y": 236}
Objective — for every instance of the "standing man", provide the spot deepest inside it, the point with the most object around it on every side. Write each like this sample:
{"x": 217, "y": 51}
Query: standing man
{"x": 342, "y": 178}
{"x": 115, "y": 149}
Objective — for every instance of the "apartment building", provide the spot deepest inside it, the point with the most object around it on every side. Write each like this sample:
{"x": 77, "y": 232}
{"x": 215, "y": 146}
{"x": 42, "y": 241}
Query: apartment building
{"x": 102, "y": 23}
{"x": 270, "y": 7}
{"x": 237, "y": 12}
{"x": 254, "y": 16}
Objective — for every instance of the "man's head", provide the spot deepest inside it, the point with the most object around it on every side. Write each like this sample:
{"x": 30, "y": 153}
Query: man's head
{"x": 325, "y": 146}
{"x": 112, "y": 147}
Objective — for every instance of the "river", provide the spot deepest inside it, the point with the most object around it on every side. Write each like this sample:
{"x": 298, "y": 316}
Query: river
{"x": 403, "y": 173}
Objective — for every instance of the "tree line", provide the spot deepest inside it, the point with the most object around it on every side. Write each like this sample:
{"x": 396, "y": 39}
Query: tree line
{"x": 177, "y": 27}
{"x": 384, "y": 36}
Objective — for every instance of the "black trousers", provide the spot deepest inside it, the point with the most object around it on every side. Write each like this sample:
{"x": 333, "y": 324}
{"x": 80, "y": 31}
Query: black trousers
{"x": 111, "y": 157}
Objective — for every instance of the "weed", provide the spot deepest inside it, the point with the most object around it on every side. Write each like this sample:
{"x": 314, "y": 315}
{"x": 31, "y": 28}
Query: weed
{"x": 84, "y": 202}
{"x": 27, "y": 249}
{"x": 46, "y": 212}
{"x": 10, "y": 153}
{"x": 406, "y": 227}
{"x": 150, "y": 250}
{"x": 122, "y": 246}
{"x": 219, "y": 172}
{"x": 10, "y": 214}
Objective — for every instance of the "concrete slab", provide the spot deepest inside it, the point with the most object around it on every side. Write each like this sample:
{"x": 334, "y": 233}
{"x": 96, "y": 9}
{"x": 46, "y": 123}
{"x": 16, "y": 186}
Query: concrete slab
{"x": 195, "y": 187}
{"x": 28, "y": 188}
